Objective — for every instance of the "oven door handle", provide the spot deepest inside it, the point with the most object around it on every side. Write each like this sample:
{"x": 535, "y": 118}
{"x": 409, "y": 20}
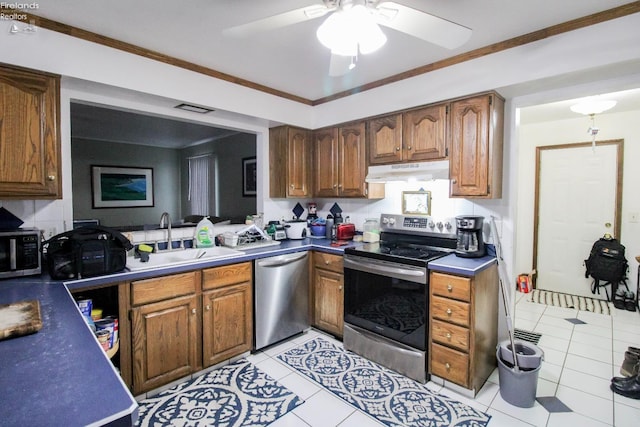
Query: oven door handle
{"x": 372, "y": 267}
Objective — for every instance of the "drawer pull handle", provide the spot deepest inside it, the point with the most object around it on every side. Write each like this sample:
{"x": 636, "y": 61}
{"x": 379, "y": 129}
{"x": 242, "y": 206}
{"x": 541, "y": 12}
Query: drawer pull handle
{"x": 449, "y": 312}
{"x": 449, "y": 288}
{"x": 449, "y": 336}
{"x": 447, "y": 366}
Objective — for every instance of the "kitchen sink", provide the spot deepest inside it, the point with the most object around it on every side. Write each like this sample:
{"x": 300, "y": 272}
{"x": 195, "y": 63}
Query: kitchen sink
{"x": 181, "y": 257}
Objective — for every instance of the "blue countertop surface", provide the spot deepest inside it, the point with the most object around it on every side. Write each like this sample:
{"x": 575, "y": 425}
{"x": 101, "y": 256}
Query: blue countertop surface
{"x": 61, "y": 376}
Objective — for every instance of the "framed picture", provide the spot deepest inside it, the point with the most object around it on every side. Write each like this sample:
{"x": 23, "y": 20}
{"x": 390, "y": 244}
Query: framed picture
{"x": 416, "y": 202}
{"x": 121, "y": 187}
{"x": 249, "y": 177}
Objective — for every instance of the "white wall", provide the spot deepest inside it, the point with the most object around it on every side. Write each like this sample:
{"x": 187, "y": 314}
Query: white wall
{"x": 612, "y": 126}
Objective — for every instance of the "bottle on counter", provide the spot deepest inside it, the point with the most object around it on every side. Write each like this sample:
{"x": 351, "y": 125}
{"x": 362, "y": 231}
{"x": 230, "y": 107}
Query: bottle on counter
{"x": 329, "y": 224}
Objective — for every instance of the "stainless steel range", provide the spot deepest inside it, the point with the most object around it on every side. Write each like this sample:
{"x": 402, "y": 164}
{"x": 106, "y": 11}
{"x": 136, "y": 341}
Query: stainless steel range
{"x": 386, "y": 296}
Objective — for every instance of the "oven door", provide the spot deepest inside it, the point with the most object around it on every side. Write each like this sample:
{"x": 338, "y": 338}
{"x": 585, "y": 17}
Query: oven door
{"x": 387, "y": 298}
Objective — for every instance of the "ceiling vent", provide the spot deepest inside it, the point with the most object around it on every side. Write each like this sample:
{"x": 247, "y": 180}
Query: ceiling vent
{"x": 194, "y": 108}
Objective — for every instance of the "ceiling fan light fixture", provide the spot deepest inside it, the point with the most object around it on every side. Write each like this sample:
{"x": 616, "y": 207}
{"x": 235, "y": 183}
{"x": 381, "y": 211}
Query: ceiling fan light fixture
{"x": 347, "y": 30}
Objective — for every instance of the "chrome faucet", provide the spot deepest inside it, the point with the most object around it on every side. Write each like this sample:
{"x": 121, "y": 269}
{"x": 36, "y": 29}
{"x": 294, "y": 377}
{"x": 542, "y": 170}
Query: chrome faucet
{"x": 165, "y": 221}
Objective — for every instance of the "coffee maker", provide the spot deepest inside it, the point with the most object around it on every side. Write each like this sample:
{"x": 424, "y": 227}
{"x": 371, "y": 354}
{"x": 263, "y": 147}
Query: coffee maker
{"x": 469, "y": 231}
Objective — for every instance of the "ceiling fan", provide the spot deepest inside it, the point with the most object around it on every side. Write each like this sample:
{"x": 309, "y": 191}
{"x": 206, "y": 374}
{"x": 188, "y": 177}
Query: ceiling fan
{"x": 352, "y": 28}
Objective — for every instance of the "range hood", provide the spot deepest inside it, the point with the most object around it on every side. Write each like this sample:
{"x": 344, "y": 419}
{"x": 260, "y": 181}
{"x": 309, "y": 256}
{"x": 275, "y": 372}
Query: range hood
{"x": 422, "y": 171}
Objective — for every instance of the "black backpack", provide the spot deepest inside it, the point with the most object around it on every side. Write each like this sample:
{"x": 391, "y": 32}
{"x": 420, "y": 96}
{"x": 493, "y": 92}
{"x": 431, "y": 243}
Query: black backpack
{"x": 88, "y": 251}
{"x": 606, "y": 261}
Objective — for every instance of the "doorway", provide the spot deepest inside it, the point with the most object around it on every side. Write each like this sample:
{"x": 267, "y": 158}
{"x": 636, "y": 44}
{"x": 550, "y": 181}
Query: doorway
{"x": 578, "y": 199}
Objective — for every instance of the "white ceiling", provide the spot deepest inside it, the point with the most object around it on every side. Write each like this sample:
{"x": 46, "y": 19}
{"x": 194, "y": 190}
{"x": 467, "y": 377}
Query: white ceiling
{"x": 291, "y": 59}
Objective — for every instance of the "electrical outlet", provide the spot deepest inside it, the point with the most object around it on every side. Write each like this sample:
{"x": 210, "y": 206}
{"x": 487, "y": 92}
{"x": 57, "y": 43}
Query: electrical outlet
{"x": 634, "y": 217}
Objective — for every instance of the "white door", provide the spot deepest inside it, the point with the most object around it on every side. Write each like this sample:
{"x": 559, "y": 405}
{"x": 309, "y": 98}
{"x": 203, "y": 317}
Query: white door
{"x": 577, "y": 199}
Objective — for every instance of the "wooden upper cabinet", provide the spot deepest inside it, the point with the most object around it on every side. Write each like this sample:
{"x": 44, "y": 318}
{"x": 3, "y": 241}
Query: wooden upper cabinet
{"x": 290, "y": 162}
{"x": 325, "y": 154}
{"x": 424, "y": 133}
{"x": 29, "y": 134}
{"x": 476, "y": 146}
{"x": 340, "y": 163}
{"x": 352, "y": 161}
{"x": 385, "y": 139}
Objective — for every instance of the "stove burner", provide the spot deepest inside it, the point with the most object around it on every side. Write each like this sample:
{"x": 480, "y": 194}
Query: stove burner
{"x": 415, "y": 252}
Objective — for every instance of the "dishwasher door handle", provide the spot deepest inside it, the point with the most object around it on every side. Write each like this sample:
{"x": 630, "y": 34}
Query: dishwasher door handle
{"x": 284, "y": 260}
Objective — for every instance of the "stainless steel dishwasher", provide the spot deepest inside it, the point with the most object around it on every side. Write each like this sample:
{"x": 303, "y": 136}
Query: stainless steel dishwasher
{"x": 281, "y": 297}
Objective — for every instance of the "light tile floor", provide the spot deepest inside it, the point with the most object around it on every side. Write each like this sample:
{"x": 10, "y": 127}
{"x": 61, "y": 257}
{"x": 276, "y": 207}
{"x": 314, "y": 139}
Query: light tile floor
{"x": 579, "y": 363}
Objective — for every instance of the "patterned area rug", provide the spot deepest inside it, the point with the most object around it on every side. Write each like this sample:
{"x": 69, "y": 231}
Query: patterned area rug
{"x": 570, "y": 301}
{"x": 389, "y": 397}
{"x": 238, "y": 394}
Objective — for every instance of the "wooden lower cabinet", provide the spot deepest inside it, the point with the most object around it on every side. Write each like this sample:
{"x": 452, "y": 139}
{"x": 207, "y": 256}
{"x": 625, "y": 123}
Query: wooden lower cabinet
{"x": 227, "y": 313}
{"x": 463, "y": 327}
{"x": 164, "y": 342}
{"x": 185, "y": 322}
{"x": 328, "y": 292}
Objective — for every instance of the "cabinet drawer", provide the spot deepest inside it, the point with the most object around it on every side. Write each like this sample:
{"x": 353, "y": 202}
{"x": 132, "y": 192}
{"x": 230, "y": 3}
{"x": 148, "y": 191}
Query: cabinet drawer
{"x": 228, "y": 275}
{"x": 328, "y": 261}
{"x": 450, "y": 286}
{"x": 450, "y": 364}
{"x": 165, "y": 287}
{"x": 450, "y": 310}
{"x": 451, "y": 335}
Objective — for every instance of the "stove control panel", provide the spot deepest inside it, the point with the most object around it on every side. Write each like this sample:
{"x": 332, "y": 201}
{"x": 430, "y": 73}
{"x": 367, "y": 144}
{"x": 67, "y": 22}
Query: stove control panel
{"x": 420, "y": 224}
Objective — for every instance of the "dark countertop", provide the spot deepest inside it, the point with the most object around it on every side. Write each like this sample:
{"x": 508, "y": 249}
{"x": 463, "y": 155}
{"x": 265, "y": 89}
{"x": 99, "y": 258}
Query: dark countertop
{"x": 454, "y": 264}
{"x": 61, "y": 376}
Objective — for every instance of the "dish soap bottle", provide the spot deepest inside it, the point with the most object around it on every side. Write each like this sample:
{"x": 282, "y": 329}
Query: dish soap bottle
{"x": 204, "y": 233}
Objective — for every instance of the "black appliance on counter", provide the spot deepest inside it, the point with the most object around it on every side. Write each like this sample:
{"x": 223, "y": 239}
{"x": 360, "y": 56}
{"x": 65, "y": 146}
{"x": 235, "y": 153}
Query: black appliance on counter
{"x": 386, "y": 298}
{"x": 470, "y": 243}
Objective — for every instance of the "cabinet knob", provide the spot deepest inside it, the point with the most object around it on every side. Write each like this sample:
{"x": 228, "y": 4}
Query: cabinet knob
{"x": 397, "y": 148}
{"x": 51, "y": 177}
{"x": 291, "y": 185}
{"x": 454, "y": 181}
{"x": 409, "y": 147}
{"x": 448, "y": 336}
{"x": 340, "y": 287}
{"x": 208, "y": 307}
{"x": 449, "y": 288}
{"x": 335, "y": 185}
{"x": 327, "y": 262}
{"x": 193, "y": 311}
{"x": 447, "y": 366}
{"x": 449, "y": 312}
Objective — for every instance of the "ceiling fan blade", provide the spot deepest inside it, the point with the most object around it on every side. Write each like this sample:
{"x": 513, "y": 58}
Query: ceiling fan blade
{"x": 339, "y": 65}
{"x": 422, "y": 25}
{"x": 277, "y": 21}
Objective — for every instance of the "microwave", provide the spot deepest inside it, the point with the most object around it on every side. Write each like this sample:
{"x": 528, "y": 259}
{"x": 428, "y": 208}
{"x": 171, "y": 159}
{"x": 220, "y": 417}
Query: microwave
{"x": 19, "y": 252}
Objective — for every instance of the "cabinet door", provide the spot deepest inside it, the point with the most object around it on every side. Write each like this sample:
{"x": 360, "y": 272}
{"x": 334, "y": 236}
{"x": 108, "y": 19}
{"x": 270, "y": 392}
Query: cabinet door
{"x": 425, "y": 133}
{"x": 29, "y": 135}
{"x": 329, "y": 300}
{"x": 469, "y": 161}
{"x": 227, "y": 323}
{"x": 299, "y": 163}
{"x": 325, "y": 150}
{"x": 352, "y": 162}
{"x": 165, "y": 344}
{"x": 385, "y": 139}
